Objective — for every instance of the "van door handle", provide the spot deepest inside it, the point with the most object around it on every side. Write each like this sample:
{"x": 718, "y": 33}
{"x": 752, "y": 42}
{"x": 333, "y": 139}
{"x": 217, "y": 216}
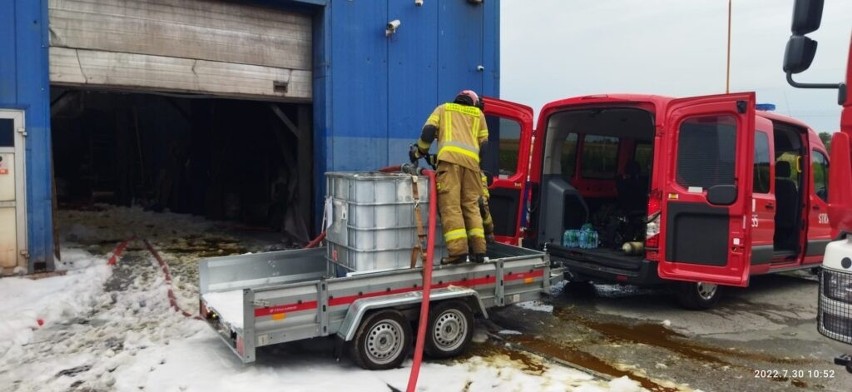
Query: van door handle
{"x": 770, "y": 206}
{"x": 816, "y": 208}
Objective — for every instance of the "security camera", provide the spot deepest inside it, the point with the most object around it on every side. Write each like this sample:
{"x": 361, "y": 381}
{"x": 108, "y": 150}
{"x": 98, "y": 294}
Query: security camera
{"x": 418, "y": 3}
{"x": 480, "y": 68}
{"x": 392, "y": 26}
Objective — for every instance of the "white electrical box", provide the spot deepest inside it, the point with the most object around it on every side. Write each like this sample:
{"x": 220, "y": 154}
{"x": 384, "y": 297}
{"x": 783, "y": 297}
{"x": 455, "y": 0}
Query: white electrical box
{"x": 13, "y": 244}
{"x": 8, "y": 221}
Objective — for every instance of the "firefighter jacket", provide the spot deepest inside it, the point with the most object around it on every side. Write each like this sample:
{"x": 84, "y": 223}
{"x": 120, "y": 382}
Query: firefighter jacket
{"x": 461, "y": 129}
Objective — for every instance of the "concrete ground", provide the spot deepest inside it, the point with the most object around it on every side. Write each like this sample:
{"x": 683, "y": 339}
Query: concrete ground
{"x": 760, "y": 338}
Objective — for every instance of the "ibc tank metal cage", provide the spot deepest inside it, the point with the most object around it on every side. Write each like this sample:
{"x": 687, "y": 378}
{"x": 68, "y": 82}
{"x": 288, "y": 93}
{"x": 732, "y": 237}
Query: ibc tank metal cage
{"x": 834, "y": 312}
{"x": 372, "y": 225}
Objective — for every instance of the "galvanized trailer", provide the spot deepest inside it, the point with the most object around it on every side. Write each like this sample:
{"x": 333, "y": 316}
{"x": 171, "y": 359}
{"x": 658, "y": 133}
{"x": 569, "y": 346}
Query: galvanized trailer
{"x": 263, "y": 299}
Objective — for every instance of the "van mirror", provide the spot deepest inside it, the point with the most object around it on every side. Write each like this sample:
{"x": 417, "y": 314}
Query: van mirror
{"x": 806, "y": 16}
{"x": 799, "y": 54}
{"x": 723, "y": 195}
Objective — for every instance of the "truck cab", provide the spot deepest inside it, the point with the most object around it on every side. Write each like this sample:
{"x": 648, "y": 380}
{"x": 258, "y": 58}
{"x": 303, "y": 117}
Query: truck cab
{"x": 834, "y": 310}
{"x": 700, "y": 191}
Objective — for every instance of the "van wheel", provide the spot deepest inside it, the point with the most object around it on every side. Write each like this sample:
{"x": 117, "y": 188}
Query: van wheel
{"x": 698, "y": 296}
{"x": 382, "y": 341}
{"x": 450, "y": 329}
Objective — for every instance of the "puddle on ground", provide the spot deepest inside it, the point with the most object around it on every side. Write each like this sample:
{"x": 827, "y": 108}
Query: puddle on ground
{"x": 659, "y": 336}
{"x": 527, "y": 363}
{"x": 204, "y": 246}
{"x": 581, "y": 359}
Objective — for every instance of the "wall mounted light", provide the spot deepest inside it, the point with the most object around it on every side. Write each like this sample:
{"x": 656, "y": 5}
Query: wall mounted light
{"x": 390, "y": 29}
{"x": 418, "y": 3}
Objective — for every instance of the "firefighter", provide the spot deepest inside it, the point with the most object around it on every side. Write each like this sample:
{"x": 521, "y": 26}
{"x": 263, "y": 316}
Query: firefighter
{"x": 484, "y": 210}
{"x": 461, "y": 129}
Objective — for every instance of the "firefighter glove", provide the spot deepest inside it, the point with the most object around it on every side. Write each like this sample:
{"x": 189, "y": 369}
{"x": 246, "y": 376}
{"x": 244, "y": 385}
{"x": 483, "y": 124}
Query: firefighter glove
{"x": 414, "y": 153}
{"x": 432, "y": 160}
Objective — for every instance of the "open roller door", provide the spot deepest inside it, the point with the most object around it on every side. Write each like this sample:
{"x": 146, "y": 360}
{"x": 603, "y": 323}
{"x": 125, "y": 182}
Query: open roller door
{"x": 189, "y": 106}
{"x": 221, "y": 48}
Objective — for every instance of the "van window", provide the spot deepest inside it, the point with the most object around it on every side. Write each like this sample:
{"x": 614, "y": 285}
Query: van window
{"x": 508, "y": 132}
{"x": 568, "y": 160}
{"x": 761, "y": 163}
{"x": 819, "y": 166}
{"x": 643, "y": 154}
{"x": 706, "y": 148}
{"x": 600, "y": 156}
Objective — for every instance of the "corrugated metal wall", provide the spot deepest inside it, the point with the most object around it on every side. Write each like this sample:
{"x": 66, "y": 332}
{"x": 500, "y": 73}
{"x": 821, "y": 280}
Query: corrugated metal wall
{"x": 24, "y": 85}
{"x": 372, "y": 93}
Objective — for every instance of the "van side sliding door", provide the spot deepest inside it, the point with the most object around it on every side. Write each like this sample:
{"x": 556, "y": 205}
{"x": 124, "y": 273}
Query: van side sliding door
{"x": 706, "y": 213}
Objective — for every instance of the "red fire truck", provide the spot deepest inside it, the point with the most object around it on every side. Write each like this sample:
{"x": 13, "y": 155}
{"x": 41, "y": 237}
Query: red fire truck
{"x": 700, "y": 192}
{"x": 834, "y": 313}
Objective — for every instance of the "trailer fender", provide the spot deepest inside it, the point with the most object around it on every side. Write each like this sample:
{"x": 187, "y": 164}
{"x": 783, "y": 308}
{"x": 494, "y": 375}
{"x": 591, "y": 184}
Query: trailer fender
{"x": 360, "y": 307}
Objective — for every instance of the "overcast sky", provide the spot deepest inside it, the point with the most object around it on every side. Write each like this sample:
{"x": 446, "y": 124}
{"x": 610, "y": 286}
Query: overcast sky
{"x": 552, "y": 49}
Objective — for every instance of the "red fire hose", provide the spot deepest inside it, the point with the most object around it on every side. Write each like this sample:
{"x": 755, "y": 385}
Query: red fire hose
{"x": 427, "y": 268}
{"x": 427, "y": 282}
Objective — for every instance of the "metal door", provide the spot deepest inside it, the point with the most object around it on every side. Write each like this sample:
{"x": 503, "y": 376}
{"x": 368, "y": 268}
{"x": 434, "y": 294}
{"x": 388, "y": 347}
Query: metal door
{"x": 708, "y": 189}
{"x": 13, "y": 222}
{"x": 507, "y": 158}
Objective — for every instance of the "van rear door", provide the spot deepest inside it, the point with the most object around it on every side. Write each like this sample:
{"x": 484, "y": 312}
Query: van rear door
{"x": 706, "y": 209}
{"x": 506, "y": 157}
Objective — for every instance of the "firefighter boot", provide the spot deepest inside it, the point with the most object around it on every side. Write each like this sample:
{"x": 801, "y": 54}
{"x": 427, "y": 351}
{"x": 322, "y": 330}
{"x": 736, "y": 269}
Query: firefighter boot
{"x": 479, "y": 258}
{"x": 454, "y": 260}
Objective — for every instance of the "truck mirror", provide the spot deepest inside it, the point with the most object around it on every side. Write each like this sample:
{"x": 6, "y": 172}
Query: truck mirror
{"x": 723, "y": 195}
{"x": 806, "y": 16}
{"x": 799, "y": 54}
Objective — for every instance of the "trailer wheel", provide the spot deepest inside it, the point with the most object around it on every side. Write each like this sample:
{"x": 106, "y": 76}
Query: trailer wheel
{"x": 450, "y": 329}
{"x": 698, "y": 296}
{"x": 382, "y": 340}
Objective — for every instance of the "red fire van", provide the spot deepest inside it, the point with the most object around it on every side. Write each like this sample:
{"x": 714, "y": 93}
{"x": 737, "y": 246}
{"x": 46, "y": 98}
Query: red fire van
{"x": 701, "y": 192}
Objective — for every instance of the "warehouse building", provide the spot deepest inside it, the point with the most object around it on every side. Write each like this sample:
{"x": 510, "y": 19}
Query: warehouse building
{"x": 231, "y": 110}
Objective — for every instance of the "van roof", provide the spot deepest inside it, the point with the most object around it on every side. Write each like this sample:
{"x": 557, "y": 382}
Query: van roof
{"x": 656, "y": 100}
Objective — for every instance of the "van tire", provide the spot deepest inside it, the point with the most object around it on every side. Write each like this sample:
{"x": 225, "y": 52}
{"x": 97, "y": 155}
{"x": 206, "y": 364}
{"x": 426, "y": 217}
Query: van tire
{"x": 579, "y": 289}
{"x": 382, "y": 341}
{"x": 698, "y": 295}
{"x": 450, "y": 329}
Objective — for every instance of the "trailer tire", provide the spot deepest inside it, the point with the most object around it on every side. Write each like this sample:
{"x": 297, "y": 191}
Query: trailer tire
{"x": 450, "y": 329}
{"x": 382, "y": 340}
{"x": 698, "y": 295}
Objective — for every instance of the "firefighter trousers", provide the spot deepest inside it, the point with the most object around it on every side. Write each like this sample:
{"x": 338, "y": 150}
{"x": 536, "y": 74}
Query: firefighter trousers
{"x": 459, "y": 189}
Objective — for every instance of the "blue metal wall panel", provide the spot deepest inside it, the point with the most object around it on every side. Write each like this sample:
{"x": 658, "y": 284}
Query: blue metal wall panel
{"x": 34, "y": 91}
{"x": 412, "y": 74}
{"x": 8, "y": 77}
{"x": 359, "y": 58}
{"x": 491, "y": 49}
{"x": 460, "y": 48}
{"x": 375, "y": 92}
{"x": 24, "y": 85}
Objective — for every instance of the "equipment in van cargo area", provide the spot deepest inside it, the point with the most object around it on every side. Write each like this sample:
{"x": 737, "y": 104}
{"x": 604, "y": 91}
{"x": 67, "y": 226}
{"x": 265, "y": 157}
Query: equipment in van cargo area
{"x": 372, "y": 222}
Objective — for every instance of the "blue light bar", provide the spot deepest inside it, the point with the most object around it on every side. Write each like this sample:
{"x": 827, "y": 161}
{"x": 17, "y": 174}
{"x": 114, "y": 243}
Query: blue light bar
{"x": 765, "y": 107}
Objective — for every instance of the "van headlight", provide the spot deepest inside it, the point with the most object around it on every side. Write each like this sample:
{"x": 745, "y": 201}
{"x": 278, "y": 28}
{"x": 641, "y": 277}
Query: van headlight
{"x": 838, "y": 286}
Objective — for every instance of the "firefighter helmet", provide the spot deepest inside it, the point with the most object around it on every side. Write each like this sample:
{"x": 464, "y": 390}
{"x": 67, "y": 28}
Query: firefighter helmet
{"x": 469, "y": 94}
